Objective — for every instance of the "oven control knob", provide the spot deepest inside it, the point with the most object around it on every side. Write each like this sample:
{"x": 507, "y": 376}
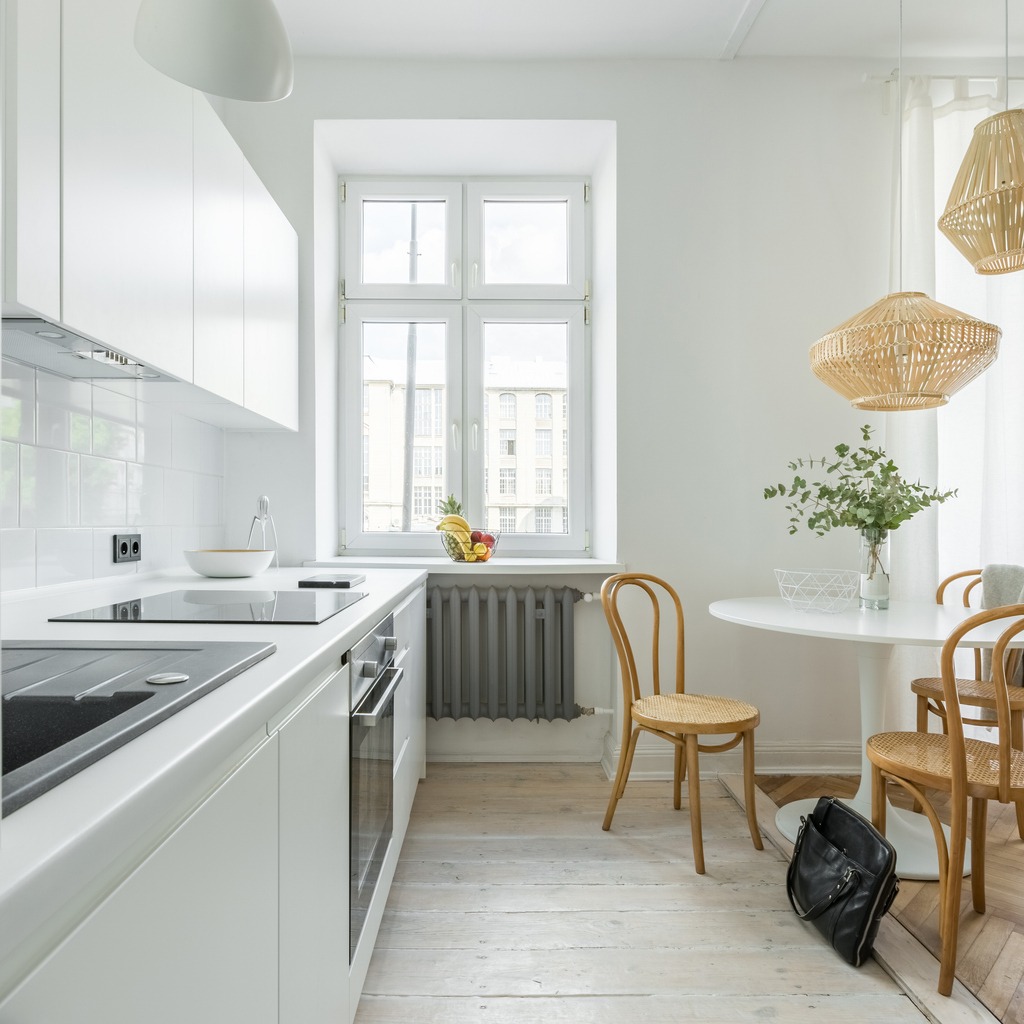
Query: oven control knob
{"x": 369, "y": 669}
{"x": 391, "y": 643}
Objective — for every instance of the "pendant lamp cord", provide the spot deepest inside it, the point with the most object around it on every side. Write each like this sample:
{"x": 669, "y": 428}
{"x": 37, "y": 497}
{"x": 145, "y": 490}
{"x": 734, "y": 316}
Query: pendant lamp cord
{"x": 1006, "y": 52}
{"x": 899, "y": 153}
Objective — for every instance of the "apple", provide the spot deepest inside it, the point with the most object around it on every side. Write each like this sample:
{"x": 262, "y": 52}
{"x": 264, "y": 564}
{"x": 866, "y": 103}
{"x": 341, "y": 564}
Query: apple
{"x": 476, "y": 536}
{"x": 487, "y": 539}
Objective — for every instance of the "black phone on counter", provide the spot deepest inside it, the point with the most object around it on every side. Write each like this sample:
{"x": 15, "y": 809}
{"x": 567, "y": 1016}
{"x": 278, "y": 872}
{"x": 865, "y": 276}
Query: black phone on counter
{"x": 333, "y": 580}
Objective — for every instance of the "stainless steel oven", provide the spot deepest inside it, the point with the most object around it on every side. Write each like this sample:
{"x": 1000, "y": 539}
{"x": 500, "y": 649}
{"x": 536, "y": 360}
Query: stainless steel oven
{"x": 374, "y": 682}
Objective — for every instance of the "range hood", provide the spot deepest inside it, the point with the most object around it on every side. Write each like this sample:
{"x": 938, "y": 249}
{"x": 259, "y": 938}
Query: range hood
{"x": 57, "y": 349}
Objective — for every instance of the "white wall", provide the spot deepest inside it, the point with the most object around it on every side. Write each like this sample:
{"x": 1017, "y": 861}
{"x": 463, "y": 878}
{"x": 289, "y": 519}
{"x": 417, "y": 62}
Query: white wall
{"x": 80, "y": 462}
{"x": 752, "y": 216}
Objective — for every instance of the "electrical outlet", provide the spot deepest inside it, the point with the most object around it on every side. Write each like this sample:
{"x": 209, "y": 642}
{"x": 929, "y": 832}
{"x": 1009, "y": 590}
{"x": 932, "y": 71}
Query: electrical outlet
{"x": 127, "y": 547}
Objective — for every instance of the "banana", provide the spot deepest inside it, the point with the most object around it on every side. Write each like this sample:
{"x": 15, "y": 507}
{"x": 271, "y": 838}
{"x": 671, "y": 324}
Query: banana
{"x": 455, "y": 521}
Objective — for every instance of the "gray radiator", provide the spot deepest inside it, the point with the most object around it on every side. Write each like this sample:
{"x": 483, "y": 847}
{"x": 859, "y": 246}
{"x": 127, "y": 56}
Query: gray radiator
{"x": 504, "y": 653}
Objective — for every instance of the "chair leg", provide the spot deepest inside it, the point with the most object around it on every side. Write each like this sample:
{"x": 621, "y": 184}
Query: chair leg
{"x": 679, "y": 771}
{"x": 949, "y": 900}
{"x": 1017, "y": 742}
{"x": 979, "y": 828}
{"x": 619, "y": 786}
{"x": 749, "y": 797}
{"x": 693, "y": 784}
{"x": 922, "y": 726}
{"x": 878, "y": 798}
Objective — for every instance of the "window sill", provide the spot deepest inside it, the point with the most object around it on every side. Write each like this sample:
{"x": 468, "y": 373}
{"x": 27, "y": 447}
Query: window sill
{"x": 438, "y": 566}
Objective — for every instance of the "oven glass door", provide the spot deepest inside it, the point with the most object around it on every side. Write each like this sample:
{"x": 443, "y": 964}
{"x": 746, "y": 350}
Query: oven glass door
{"x": 372, "y": 793}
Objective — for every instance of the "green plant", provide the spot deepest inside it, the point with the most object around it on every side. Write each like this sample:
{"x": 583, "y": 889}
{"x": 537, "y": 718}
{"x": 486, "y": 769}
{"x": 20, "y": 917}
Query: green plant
{"x": 861, "y": 487}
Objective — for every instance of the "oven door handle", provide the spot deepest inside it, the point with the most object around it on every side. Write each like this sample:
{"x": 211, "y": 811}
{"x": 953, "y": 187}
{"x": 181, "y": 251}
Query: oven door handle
{"x": 372, "y": 718}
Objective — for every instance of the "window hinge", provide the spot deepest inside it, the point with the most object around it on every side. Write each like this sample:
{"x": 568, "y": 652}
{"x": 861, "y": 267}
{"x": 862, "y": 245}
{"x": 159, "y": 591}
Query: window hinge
{"x": 343, "y": 542}
{"x": 586, "y": 540}
{"x": 341, "y": 309}
{"x": 341, "y": 288}
{"x": 586, "y": 193}
{"x": 586, "y": 316}
{"x": 586, "y": 290}
{"x": 341, "y": 191}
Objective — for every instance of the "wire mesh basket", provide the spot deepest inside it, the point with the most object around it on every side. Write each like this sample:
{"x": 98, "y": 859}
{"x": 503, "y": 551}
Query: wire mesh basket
{"x": 818, "y": 590}
{"x": 478, "y": 546}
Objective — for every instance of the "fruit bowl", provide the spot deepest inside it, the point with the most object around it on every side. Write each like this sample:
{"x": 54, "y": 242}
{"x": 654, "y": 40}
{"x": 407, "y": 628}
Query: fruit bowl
{"x": 228, "y": 563}
{"x": 479, "y": 547}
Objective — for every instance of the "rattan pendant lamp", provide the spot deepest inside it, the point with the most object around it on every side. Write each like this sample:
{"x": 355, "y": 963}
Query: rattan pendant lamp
{"x": 984, "y": 216}
{"x": 906, "y": 351}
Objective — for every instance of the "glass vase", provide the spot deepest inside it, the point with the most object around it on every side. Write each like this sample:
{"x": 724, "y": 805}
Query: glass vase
{"x": 874, "y": 568}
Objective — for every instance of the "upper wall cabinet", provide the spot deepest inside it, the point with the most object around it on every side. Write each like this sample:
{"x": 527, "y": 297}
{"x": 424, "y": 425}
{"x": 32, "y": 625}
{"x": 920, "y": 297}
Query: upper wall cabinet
{"x": 218, "y": 337}
{"x": 271, "y": 307}
{"x": 127, "y": 177}
{"x": 31, "y": 81}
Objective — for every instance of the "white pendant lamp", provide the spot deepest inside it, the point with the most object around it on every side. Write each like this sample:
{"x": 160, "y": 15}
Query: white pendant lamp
{"x": 905, "y": 351}
{"x": 233, "y": 48}
{"x": 984, "y": 215}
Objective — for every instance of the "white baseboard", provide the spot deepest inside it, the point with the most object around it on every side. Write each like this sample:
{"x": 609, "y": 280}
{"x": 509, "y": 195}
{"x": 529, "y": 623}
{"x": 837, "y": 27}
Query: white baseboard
{"x": 589, "y": 739}
{"x": 769, "y": 759}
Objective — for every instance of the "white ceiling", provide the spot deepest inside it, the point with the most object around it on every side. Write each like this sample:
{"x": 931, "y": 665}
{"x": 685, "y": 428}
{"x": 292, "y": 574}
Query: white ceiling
{"x": 714, "y": 29}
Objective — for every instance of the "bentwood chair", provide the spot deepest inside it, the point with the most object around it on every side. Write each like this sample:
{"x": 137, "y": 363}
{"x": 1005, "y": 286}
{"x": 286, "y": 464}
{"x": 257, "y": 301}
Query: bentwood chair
{"x": 960, "y": 768}
{"x": 976, "y": 691}
{"x": 679, "y": 717}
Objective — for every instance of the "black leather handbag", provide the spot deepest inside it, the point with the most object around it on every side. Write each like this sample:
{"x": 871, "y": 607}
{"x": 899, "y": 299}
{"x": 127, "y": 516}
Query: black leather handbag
{"x": 842, "y": 877}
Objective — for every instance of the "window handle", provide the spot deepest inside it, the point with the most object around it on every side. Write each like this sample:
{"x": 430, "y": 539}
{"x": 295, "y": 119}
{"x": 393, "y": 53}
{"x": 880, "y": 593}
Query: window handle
{"x": 455, "y": 274}
{"x": 475, "y": 435}
{"x": 476, "y": 273}
{"x": 455, "y": 436}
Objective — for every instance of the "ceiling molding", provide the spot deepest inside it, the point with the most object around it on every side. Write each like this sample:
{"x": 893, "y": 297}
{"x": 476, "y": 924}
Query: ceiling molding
{"x": 751, "y": 9}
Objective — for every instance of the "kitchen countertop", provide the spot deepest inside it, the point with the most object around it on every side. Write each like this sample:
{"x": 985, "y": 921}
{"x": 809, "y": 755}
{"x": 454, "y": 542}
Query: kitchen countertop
{"x": 84, "y": 836}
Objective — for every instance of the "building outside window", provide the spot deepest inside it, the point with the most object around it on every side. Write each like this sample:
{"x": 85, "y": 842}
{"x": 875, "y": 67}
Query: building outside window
{"x": 479, "y": 335}
{"x": 542, "y": 519}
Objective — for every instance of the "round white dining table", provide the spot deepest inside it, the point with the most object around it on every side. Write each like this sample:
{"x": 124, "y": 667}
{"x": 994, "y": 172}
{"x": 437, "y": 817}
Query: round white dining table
{"x": 875, "y": 633}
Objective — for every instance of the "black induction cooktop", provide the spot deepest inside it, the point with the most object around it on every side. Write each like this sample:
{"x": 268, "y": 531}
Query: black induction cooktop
{"x": 302, "y": 607}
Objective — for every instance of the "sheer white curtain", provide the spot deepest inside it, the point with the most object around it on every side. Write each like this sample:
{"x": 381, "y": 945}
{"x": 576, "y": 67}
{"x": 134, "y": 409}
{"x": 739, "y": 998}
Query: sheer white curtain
{"x": 976, "y": 442}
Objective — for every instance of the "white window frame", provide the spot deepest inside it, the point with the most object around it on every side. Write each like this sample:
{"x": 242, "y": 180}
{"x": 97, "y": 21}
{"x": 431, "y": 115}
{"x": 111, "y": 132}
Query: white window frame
{"x": 465, "y": 318}
{"x": 572, "y": 193}
{"x": 577, "y": 375}
{"x": 404, "y": 191}
{"x": 355, "y": 537}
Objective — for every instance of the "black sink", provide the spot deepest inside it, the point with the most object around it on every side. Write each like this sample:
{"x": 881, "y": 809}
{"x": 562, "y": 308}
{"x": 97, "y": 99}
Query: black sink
{"x": 67, "y": 704}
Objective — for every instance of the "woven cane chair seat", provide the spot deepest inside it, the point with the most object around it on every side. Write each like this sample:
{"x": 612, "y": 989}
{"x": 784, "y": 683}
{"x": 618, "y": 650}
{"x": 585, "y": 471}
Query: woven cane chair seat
{"x": 978, "y": 693}
{"x": 711, "y": 714}
{"x": 925, "y": 757}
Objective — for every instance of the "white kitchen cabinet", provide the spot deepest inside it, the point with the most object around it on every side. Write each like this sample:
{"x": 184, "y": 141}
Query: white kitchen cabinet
{"x": 410, "y": 704}
{"x": 190, "y": 935}
{"x": 31, "y": 173}
{"x": 271, "y": 299}
{"x": 218, "y": 356}
{"x": 314, "y": 851}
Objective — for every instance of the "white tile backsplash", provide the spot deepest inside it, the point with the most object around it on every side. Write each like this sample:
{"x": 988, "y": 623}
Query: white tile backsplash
{"x": 80, "y": 462}
{"x": 18, "y": 403}
{"x": 49, "y": 487}
{"x": 64, "y": 413}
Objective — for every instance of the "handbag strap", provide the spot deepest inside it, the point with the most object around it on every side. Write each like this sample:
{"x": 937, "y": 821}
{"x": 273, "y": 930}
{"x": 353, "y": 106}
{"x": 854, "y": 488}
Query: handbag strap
{"x": 843, "y": 888}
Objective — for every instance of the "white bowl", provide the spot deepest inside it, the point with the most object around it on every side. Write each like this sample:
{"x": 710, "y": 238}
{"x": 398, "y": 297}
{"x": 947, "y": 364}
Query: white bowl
{"x": 228, "y": 563}
{"x": 818, "y": 590}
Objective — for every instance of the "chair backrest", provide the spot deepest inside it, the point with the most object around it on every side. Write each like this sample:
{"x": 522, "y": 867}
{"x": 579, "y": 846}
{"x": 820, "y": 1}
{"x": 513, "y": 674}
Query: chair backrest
{"x": 969, "y": 587}
{"x": 1003, "y": 659}
{"x": 657, "y": 592}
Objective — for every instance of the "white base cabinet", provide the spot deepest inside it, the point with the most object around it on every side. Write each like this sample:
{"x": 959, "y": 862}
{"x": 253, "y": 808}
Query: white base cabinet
{"x": 190, "y": 935}
{"x": 314, "y": 842}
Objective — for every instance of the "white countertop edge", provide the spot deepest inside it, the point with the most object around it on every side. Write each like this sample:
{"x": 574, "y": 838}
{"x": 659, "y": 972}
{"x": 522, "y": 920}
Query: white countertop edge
{"x": 438, "y": 566}
{"x": 87, "y": 832}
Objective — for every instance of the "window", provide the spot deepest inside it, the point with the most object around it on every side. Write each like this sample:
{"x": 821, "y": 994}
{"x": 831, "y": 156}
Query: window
{"x": 462, "y": 349}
